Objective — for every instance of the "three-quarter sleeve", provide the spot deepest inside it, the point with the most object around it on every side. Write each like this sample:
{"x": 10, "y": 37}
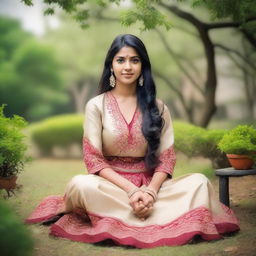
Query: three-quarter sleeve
{"x": 92, "y": 139}
{"x": 166, "y": 152}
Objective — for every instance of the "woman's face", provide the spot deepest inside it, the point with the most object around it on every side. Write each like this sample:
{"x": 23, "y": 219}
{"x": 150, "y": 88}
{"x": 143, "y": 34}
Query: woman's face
{"x": 126, "y": 65}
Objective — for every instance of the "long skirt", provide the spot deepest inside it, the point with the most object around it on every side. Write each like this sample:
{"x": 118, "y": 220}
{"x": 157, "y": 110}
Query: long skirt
{"x": 186, "y": 207}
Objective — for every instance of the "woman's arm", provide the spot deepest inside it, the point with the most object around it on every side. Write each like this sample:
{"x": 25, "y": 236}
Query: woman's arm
{"x": 117, "y": 179}
{"x": 144, "y": 206}
{"x": 157, "y": 181}
{"x": 154, "y": 185}
{"x": 167, "y": 160}
{"x": 136, "y": 200}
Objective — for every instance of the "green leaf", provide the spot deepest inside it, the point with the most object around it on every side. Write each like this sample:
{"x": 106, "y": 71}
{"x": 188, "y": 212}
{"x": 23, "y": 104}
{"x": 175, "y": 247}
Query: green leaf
{"x": 28, "y": 2}
{"x": 49, "y": 11}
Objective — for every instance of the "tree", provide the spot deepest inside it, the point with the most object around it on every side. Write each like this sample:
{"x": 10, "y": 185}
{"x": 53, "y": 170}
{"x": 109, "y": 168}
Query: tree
{"x": 30, "y": 82}
{"x": 11, "y": 37}
{"x": 241, "y": 16}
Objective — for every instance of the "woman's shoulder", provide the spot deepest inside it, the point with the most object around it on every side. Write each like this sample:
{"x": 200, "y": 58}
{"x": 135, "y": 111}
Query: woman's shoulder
{"x": 96, "y": 100}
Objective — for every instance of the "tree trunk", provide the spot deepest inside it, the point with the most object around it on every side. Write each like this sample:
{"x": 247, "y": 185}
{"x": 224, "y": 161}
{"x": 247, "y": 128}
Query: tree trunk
{"x": 209, "y": 106}
{"x": 79, "y": 96}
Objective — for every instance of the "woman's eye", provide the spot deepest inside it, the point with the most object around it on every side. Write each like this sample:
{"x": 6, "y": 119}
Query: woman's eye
{"x": 135, "y": 61}
{"x": 120, "y": 60}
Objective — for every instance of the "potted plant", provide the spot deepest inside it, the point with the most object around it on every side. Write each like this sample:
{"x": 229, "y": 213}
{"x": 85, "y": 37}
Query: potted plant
{"x": 12, "y": 149}
{"x": 240, "y": 146}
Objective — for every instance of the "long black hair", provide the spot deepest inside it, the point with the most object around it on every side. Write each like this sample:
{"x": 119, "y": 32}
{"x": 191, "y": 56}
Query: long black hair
{"x": 152, "y": 122}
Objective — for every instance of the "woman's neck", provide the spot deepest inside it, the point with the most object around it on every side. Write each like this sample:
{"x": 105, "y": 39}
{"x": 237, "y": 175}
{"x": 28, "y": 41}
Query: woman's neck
{"x": 124, "y": 90}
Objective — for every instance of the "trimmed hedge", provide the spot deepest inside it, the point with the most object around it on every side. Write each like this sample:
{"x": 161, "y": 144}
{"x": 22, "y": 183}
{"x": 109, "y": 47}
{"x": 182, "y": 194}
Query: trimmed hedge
{"x": 191, "y": 140}
{"x": 63, "y": 131}
{"x": 197, "y": 141}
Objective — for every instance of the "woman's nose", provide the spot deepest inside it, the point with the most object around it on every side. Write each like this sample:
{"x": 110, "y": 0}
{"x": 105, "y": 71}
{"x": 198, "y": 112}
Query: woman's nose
{"x": 127, "y": 65}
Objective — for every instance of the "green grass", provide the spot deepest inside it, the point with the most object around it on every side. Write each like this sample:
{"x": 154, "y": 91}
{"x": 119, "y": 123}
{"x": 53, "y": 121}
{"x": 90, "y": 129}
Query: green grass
{"x": 45, "y": 177}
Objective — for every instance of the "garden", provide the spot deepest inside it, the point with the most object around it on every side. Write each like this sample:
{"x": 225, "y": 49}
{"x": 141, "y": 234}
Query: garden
{"x": 48, "y": 175}
{"x": 51, "y": 57}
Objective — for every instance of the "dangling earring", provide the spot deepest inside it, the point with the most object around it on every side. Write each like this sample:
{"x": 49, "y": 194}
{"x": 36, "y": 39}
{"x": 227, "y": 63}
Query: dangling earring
{"x": 112, "y": 80}
{"x": 141, "y": 81}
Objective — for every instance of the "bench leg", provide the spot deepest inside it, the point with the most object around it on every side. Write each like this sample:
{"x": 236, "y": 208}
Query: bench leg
{"x": 224, "y": 189}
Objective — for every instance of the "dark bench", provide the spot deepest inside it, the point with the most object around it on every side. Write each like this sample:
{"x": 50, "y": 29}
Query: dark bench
{"x": 224, "y": 175}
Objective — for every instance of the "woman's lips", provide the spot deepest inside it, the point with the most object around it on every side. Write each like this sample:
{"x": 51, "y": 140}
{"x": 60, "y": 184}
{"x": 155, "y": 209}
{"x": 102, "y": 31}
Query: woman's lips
{"x": 127, "y": 75}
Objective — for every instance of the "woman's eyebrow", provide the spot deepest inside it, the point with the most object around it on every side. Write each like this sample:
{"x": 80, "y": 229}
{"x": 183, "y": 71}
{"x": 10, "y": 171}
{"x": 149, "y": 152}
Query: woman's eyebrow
{"x": 130, "y": 57}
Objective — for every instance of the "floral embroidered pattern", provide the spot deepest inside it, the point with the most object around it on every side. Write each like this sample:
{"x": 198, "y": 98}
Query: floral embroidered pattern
{"x": 46, "y": 209}
{"x": 222, "y": 218}
{"x": 180, "y": 231}
{"x": 129, "y": 136}
{"x": 93, "y": 158}
{"x": 167, "y": 161}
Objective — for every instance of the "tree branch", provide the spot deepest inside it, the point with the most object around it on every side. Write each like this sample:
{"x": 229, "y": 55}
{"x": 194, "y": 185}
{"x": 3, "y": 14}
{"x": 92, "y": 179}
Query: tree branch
{"x": 188, "y": 110}
{"x": 211, "y": 81}
{"x": 207, "y": 26}
{"x": 228, "y": 24}
{"x": 237, "y": 53}
{"x": 250, "y": 37}
{"x": 187, "y": 31}
{"x": 174, "y": 55}
{"x": 182, "y": 14}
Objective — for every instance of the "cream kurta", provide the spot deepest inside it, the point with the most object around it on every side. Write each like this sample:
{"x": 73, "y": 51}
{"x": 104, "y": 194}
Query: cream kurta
{"x": 185, "y": 207}
{"x": 107, "y": 134}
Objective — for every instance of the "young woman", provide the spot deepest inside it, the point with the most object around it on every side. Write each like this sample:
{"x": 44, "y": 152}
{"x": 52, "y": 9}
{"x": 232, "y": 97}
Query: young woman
{"x": 129, "y": 195}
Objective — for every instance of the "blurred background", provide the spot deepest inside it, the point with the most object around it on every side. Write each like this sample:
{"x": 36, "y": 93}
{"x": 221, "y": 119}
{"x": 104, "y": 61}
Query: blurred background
{"x": 51, "y": 58}
{"x": 203, "y": 60}
{"x": 51, "y": 66}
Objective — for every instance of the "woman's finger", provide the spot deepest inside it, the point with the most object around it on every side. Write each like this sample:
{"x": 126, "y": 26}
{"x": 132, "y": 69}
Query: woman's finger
{"x": 145, "y": 212}
{"x": 138, "y": 206}
{"x": 147, "y": 199}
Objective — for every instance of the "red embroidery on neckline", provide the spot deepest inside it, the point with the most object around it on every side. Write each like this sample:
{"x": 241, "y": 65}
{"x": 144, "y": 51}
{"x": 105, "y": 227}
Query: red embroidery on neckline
{"x": 119, "y": 110}
{"x": 128, "y": 137}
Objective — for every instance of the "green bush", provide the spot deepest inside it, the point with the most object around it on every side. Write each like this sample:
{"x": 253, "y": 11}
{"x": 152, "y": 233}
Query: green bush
{"x": 196, "y": 141}
{"x": 15, "y": 240}
{"x": 63, "y": 130}
{"x": 66, "y": 130}
{"x": 12, "y": 145}
{"x": 240, "y": 140}
{"x": 210, "y": 148}
{"x": 188, "y": 138}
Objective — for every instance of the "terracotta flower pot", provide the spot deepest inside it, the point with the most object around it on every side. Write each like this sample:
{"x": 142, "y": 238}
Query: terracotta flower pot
{"x": 8, "y": 183}
{"x": 240, "y": 162}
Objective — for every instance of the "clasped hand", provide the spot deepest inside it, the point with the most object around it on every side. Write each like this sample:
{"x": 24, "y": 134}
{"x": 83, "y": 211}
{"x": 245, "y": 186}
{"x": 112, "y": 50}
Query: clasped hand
{"x": 142, "y": 204}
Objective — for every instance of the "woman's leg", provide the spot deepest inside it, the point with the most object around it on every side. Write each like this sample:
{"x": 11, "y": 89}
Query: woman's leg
{"x": 74, "y": 200}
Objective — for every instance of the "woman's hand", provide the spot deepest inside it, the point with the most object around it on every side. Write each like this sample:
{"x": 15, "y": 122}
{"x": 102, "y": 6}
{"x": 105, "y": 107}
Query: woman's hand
{"x": 142, "y": 204}
{"x": 143, "y": 212}
{"x": 135, "y": 199}
{"x": 147, "y": 199}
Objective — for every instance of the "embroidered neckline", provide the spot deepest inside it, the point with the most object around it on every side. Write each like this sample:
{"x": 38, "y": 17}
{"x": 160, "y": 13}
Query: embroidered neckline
{"x": 128, "y": 136}
{"x": 121, "y": 114}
